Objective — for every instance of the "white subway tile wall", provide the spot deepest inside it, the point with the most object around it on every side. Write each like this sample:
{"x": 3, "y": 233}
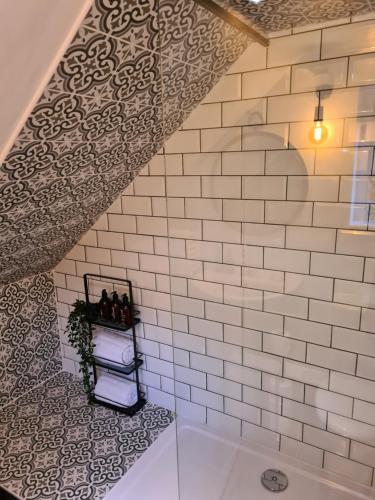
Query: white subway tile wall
{"x": 252, "y": 254}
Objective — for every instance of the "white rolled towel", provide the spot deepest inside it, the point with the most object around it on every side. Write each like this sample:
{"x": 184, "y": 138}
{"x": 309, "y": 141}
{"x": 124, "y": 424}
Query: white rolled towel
{"x": 113, "y": 347}
{"x": 116, "y": 390}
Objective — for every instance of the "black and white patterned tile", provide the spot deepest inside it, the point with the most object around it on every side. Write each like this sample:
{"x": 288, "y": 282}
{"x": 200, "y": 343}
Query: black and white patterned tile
{"x": 55, "y": 446}
{"x": 29, "y": 340}
{"x": 278, "y": 15}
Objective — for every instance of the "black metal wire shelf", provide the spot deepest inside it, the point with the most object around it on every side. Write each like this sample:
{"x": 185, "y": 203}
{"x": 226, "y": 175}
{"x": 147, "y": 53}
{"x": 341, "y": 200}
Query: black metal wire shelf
{"x": 118, "y": 367}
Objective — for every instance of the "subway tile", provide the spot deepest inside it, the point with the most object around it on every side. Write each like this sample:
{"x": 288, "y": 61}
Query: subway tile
{"x": 353, "y": 341}
{"x": 262, "y": 361}
{"x": 286, "y": 304}
{"x": 286, "y": 347}
{"x": 66, "y": 266}
{"x": 300, "y": 134}
{"x": 227, "y": 232}
{"x": 351, "y": 429}
{"x": 159, "y": 366}
{"x": 139, "y": 243}
{"x": 263, "y": 321}
{"x": 259, "y": 435}
{"x": 301, "y": 451}
{"x": 242, "y": 411}
{"x": 366, "y": 367}
{"x": 328, "y": 400}
{"x": 352, "y": 470}
{"x": 309, "y": 286}
{"x": 242, "y": 374}
{"x": 186, "y": 268}
{"x": 183, "y": 187}
{"x": 149, "y": 186}
{"x": 311, "y": 238}
{"x": 283, "y": 425}
{"x": 157, "y": 165}
{"x": 359, "y": 132}
{"x": 319, "y": 75}
{"x": 362, "y": 453}
{"x": 264, "y": 187}
{"x": 265, "y": 137}
{"x": 191, "y": 411}
{"x": 361, "y": 243}
{"x": 224, "y": 424}
{"x": 221, "y": 139}
{"x": 224, "y": 387}
{"x": 175, "y": 207}
{"x": 313, "y": 188}
{"x": 357, "y": 294}
{"x": 206, "y": 398}
{"x": 292, "y": 213}
{"x": 290, "y": 162}
{"x": 357, "y": 190}
{"x": 253, "y": 58}
{"x": 141, "y": 279}
{"x": 326, "y": 440}
{"x": 243, "y": 163}
{"x": 210, "y": 329}
{"x": 221, "y": 187}
{"x": 306, "y": 374}
{"x": 334, "y": 314}
{"x": 349, "y": 39}
{"x": 184, "y": 141}
{"x": 170, "y": 246}
{"x": 361, "y": 70}
{"x": 244, "y": 112}
{"x": 369, "y": 275}
{"x": 266, "y": 83}
{"x": 364, "y": 412}
{"x": 154, "y": 263}
{"x": 211, "y": 209}
{"x": 102, "y": 222}
{"x": 204, "y": 250}
{"x": 352, "y": 386}
{"x": 185, "y": 228}
{"x": 98, "y": 255}
{"x": 243, "y": 255}
{"x": 152, "y": 225}
{"x": 351, "y": 102}
{"x": 341, "y": 215}
{"x": 243, "y": 337}
{"x": 205, "y": 290}
{"x": 368, "y": 320}
{"x": 224, "y": 313}
{"x": 242, "y": 297}
{"x": 243, "y": 210}
{"x": 294, "y": 49}
{"x": 178, "y": 285}
{"x": 158, "y": 334}
{"x": 85, "y": 267}
{"x": 286, "y": 260}
{"x": 89, "y": 238}
{"x": 263, "y": 235}
{"x": 222, "y": 350}
{"x": 122, "y": 223}
{"x": 331, "y": 358}
{"x": 304, "y": 413}
{"x": 263, "y": 279}
{"x": 136, "y": 205}
{"x": 157, "y": 300}
{"x": 222, "y": 273}
{"x": 337, "y": 266}
{"x": 189, "y": 376}
{"x": 227, "y": 89}
{"x": 207, "y": 364}
{"x": 283, "y": 387}
{"x": 202, "y": 164}
{"x": 291, "y": 108}
{"x": 344, "y": 161}
{"x": 188, "y": 306}
{"x": 262, "y": 399}
{"x": 204, "y": 116}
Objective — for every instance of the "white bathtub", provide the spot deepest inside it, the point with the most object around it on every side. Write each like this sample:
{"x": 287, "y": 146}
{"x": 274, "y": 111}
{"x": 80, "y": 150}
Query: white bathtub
{"x": 215, "y": 468}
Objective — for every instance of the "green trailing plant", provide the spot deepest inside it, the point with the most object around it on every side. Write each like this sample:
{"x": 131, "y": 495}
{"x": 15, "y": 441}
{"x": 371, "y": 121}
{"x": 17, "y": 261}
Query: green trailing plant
{"x": 79, "y": 335}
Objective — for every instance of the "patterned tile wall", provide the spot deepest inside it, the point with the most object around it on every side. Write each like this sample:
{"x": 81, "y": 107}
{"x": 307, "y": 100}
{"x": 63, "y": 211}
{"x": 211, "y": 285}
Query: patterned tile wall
{"x": 101, "y": 119}
{"x": 259, "y": 250}
{"x": 29, "y": 340}
{"x": 279, "y": 15}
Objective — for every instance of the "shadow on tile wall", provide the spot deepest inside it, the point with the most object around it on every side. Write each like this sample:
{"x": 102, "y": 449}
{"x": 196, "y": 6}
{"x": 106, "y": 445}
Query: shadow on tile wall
{"x": 29, "y": 340}
{"x": 128, "y": 80}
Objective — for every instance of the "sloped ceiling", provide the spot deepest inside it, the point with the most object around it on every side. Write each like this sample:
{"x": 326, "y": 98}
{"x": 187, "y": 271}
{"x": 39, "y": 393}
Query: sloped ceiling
{"x": 278, "y": 15}
{"x": 133, "y": 73}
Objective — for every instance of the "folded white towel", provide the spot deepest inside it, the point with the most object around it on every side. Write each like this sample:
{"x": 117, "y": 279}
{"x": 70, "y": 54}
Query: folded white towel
{"x": 113, "y": 347}
{"x": 115, "y": 389}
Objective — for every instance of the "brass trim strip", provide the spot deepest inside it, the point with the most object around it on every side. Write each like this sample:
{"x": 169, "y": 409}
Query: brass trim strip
{"x": 233, "y": 20}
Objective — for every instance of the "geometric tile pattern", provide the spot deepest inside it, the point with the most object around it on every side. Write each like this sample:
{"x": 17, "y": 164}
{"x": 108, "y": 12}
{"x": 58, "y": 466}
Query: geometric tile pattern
{"x": 29, "y": 339}
{"x": 130, "y": 77}
{"x": 278, "y": 15}
{"x": 55, "y": 446}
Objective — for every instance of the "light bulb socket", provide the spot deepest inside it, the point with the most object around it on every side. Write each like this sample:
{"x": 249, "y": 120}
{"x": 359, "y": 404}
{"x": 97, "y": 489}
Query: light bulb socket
{"x": 319, "y": 113}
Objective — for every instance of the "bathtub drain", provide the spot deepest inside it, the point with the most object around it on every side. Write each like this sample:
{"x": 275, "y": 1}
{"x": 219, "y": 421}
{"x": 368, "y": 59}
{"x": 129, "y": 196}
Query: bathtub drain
{"x": 274, "y": 480}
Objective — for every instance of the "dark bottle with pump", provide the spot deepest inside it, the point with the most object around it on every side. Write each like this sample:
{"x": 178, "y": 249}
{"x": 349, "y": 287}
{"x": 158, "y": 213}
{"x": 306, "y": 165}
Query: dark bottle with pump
{"x": 126, "y": 316}
{"x": 105, "y": 309}
{"x": 116, "y": 308}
